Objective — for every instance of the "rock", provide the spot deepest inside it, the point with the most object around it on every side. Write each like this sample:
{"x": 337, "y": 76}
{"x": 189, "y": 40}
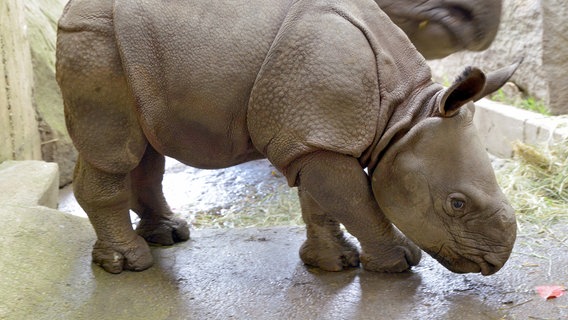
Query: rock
{"x": 31, "y": 109}
{"x": 510, "y": 93}
{"x": 43, "y": 250}
{"x": 531, "y": 29}
{"x": 56, "y": 146}
{"x": 29, "y": 183}
{"x": 18, "y": 125}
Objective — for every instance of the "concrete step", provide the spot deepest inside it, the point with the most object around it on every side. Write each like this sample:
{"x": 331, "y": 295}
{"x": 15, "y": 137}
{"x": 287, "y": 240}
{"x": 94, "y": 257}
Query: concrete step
{"x": 29, "y": 183}
{"x": 501, "y": 125}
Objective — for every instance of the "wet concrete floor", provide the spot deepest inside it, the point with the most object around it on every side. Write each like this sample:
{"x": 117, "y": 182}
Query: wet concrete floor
{"x": 255, "y": 273}
{"x": 250, "y": 194}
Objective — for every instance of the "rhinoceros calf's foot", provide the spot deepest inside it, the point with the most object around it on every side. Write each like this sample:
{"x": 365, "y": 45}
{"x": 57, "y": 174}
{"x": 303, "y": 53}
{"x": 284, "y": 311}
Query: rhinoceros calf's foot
{"x": 164, "y": 232}
{"x": 329, "y": 254}
{"x": 397, "y": 257}
{"x": 116, "y": 257}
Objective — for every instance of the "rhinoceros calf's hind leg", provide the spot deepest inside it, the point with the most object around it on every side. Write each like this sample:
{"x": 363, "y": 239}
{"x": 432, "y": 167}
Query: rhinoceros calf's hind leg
{"x": 105, "y": 198}
{"x": 157, "y": 222}
{"x": 340, "y": 188}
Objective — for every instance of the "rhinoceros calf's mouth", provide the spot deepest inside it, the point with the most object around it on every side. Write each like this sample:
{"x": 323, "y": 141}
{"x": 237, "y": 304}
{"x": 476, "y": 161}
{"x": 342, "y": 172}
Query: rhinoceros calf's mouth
{"x": 460, "y": 264}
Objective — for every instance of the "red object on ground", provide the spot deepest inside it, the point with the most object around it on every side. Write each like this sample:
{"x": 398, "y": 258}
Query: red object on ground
{"x": 550, "y": 292}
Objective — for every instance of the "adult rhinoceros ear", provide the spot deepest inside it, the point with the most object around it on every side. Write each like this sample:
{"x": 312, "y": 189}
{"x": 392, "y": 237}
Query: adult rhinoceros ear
{"x": 473, "y": 85}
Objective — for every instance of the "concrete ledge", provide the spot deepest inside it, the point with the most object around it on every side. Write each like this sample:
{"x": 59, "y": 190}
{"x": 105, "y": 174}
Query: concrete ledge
{"x": 29, "y": 183}
{"x": 501, "y": 125}
{"x": 42, "y": 251}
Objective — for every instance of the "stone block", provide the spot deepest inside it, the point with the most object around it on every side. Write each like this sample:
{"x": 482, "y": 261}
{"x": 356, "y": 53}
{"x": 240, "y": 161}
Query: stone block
{"x": 43, "y": 250}
{"x": 29, "y": 183}
{"x": 501, "y": 125}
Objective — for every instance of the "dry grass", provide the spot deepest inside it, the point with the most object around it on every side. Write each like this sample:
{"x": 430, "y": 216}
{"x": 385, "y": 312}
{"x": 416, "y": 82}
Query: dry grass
{"x": 281, "y": 208}
{"x": 536, "y": 182}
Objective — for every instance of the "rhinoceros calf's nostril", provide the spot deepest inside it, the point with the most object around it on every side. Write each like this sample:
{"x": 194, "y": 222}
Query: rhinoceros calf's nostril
{"x": 490, "y": 265}
{"x": 487, "y": 268}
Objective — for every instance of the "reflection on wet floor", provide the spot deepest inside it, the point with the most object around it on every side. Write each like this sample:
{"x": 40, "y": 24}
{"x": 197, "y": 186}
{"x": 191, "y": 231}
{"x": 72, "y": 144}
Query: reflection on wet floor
{"x": 250, "y": 194}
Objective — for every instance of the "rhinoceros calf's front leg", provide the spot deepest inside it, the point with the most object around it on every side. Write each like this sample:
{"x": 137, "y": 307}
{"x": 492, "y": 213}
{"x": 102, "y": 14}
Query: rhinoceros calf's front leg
{"x": 105, "y": 198}
{"x": 340, "y": 188}
{"x": 326, "y": 246}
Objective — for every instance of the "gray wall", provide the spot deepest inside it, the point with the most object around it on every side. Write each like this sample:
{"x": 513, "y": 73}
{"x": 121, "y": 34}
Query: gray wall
{"x": 19, "y": 136}
{"x": 533, "y": 29}
{"x": 31, "y": 108}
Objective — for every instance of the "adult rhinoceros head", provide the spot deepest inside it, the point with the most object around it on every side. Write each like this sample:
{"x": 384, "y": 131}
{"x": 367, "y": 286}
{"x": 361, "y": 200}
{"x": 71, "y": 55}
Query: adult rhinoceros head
{"x": 440, "y": 27}
{"x": 436, "y": 183}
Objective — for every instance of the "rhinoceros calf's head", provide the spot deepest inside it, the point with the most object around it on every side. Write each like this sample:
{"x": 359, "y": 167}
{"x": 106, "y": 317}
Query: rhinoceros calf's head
{"x": 437, "y": 185}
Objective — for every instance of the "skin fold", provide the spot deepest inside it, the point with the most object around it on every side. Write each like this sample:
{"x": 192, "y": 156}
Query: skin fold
{"x": 236, "y": 80}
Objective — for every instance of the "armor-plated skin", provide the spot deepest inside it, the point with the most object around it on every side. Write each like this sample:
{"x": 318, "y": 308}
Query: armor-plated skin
{"x": 321, "y": 88}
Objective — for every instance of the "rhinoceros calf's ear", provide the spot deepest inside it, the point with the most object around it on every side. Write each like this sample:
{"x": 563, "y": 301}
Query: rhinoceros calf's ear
{"x": 497, "y": 79}
{"x": 473, "y": 85}
{"x": 464, "y": 89}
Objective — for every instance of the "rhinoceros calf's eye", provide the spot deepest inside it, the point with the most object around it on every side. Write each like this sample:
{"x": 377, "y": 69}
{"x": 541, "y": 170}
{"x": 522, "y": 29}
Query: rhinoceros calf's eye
{"x": 458, "y": 204}
{"x": 455, "y": 205}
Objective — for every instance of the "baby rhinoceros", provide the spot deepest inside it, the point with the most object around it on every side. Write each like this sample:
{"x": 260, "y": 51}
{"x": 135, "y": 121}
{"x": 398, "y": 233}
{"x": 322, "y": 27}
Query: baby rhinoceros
{"x": 322, "y": 88}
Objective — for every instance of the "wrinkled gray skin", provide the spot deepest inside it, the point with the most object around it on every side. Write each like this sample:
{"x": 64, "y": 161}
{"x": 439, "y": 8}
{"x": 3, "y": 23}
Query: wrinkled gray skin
{"x": 439, "y": 28}
{"x": 323, "y": 89}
